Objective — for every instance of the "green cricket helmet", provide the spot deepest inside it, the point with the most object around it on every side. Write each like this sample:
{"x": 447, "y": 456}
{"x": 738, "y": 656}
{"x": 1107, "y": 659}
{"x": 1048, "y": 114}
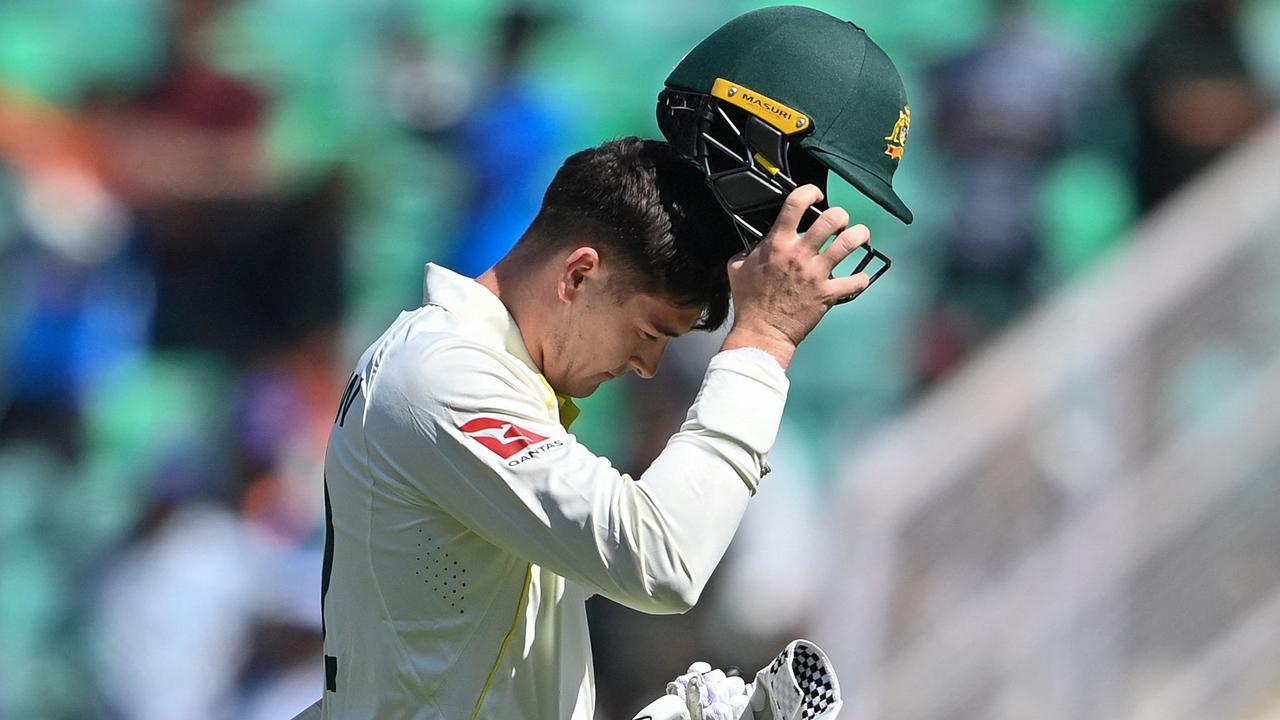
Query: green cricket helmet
{"x": 777, "y": 97}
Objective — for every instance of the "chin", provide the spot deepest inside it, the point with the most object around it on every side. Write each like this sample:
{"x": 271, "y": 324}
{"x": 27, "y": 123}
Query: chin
{"x": 586, "y": 389}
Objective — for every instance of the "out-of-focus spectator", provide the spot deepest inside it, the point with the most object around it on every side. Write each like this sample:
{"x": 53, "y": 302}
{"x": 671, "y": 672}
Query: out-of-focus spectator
{"x": 509, "y": 145}
{"x": 206, "y": 616}
{"x": 422, "y": 90}
{"x": 1195, "y": 95}
{"x": 78, "y": 296}
{"x": 175, "y": 616}
{"x": 1004, "y": 111}
{"x": 193, "y": 131}
{"x": 244, "y": 266}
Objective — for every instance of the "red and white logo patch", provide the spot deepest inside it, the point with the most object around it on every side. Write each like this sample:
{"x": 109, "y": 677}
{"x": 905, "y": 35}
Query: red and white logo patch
{"x": 501, "y": 436}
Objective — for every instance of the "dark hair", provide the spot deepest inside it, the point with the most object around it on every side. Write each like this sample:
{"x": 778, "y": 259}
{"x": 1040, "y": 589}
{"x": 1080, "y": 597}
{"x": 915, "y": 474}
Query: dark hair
{"x": 650, "y": 210}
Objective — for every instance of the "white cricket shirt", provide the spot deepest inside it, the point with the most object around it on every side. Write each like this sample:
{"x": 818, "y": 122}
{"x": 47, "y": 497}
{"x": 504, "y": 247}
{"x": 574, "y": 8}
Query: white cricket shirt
{"x": 467, "y": 527}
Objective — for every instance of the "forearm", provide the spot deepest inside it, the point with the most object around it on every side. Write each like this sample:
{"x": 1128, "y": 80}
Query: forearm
{"x": 655, "y": 542}
{"x": 700, "y": 484}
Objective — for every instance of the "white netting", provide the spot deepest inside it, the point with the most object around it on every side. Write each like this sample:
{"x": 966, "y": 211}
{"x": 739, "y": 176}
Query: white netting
{"x": 1085, "y": 522}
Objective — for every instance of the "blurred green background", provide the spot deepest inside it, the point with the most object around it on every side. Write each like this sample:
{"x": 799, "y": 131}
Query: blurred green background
{"x": 208, "y": 209}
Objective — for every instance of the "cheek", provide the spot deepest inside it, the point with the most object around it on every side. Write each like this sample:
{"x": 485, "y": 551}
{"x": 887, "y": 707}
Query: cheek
{"x": 611, "y": 350}
{"x": 595, "y": 350}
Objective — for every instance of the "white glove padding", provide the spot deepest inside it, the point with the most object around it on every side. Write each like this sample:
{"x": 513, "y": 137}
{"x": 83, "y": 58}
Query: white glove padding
{"x": 800, "y": 684}
{"x": 667, "y": 707}
{"x": 700, "y": 694}
{"x": 710, "y": 694}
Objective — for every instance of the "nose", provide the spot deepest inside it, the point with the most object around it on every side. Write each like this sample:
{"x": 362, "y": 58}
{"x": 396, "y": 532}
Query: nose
{"x": 646, "y": 363}
{"x": 643, "y": 370}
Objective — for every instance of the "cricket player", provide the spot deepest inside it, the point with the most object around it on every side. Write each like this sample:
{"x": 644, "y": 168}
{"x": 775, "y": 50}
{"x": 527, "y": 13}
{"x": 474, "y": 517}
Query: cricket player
{"x": 466, "y": 526}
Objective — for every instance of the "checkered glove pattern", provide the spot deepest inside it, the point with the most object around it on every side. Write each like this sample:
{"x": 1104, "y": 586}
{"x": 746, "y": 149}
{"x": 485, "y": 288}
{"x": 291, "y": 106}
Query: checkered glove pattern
{"x": 800, "y": 684}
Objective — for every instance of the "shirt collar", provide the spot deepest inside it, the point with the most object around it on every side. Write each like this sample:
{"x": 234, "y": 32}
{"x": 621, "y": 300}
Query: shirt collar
{"x": 482, "y": 313}
{"x": 487, "y": 319}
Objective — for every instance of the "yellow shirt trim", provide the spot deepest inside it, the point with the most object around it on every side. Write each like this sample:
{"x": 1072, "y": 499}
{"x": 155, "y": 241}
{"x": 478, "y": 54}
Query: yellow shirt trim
{"x": 568, "y": 410}
{"x": 502, "y": 650}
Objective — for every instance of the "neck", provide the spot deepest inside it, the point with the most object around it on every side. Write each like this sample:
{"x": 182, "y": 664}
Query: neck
{"x": 515, "y": 293}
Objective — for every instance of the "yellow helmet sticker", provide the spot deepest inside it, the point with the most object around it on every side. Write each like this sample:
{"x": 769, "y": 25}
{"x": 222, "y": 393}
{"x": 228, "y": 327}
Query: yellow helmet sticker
{"x": 787, "y": 120}
{"x": 764, "y": 162}
{"x": 898, "y": 138}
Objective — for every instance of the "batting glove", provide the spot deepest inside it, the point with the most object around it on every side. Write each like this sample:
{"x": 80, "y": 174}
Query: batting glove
{"x": 700, "y": 694}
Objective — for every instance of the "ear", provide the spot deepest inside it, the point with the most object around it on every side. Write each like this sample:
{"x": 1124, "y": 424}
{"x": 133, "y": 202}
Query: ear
{"x": 579, "y": 266}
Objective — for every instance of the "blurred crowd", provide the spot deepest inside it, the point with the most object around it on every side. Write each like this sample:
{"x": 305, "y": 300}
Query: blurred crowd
{"x": 208, "y": 208}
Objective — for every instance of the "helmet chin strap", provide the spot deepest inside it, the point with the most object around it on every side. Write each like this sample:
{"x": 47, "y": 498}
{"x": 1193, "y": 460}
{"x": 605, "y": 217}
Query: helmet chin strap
{"x": 750, "y": 166}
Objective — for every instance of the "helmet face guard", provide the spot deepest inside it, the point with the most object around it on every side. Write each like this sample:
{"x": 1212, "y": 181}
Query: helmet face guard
{"x": 750, "y": 165}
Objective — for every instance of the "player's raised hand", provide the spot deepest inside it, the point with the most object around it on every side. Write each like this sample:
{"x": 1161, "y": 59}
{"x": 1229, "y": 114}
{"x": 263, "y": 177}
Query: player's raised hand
{"x": 783, "y": 287}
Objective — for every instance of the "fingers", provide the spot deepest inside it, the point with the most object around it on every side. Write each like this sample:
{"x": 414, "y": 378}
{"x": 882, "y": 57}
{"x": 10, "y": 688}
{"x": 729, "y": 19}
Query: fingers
{"x": 793, "y": 209}
{"x": 845, "y": 243}
{"x": 736, "y": 262}
{"x": 845, "y": 286}
{"x": 831, "y": 221}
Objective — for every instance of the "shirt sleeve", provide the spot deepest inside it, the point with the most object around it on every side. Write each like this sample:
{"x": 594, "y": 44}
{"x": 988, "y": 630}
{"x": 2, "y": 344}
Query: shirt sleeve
{"x": 475, "y": 437}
